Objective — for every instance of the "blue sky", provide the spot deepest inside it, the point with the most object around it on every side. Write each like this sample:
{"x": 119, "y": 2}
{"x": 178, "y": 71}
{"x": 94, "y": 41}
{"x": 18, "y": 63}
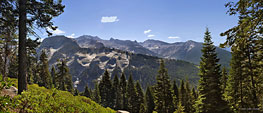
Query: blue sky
{"x": 166, "y": 20}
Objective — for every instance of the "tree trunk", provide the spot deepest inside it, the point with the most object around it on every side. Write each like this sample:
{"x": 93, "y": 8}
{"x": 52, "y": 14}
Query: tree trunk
{"x": 22, "y": 68}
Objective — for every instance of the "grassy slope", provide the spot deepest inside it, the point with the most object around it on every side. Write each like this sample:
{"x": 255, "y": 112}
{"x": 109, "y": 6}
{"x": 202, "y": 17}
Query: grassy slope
{"x": 40, "y": 99}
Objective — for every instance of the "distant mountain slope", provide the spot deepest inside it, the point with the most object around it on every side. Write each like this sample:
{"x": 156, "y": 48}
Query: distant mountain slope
{"x": 88, "y": 64}
{"x": 188, "y": 51}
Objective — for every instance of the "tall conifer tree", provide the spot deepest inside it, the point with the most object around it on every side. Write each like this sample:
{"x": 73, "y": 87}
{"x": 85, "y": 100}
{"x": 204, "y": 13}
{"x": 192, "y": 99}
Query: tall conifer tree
{"x": 46, "y": 79}
{"x": 105, "y": 88}
{"x": 245, "y": 39}
{"x": 123, "y": 90}
{"x": 53, "y": 75}
{"x": 87, "y": 92}
{"x": 182, "y": 95}
{"x": 163, "y": 91}
{"x": 175, "y": 93}
{"x": 140, "y": 95}
{"x": 96, "y": 93}
{"x": 149, "y": 100}
{"x": 132, "y": 96}
{"x": 224, "y": 79}
{"x": 64, "y": 79}
{"x": 210, "y": 93}
{"x": 116, "y": 93}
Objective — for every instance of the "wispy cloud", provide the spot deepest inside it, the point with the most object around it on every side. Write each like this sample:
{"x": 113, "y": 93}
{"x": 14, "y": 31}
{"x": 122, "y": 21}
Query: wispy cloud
{"x": 56, "y": 32}
{"x": 173, "y": 37}
{"x": 71, "y": 36}
{"x": 149, "y": 36}
{"x": 147, "y": 31}
{"x": 109, "y": 19}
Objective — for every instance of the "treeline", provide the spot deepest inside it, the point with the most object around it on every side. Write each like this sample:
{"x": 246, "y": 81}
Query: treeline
{"x": 120, "y": 93}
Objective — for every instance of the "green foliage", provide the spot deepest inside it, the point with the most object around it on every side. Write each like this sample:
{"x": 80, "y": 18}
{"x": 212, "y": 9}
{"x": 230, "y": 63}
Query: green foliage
{"x": 39, "y": 99}
{"x": 140, "y": 96}
{"x": 149, "y": 100}
{"x": 175, "y": 93}
{"x": 244, "y": 86}
{"x": 96, "y": 93}
{"x": 45, "y": 77}
{"x": 142, "y": 109}
{"x": 223, "y": 79}
{"x": 116, "y": 93}
{"x": 163, "y": 91}
{"x": 210, "y": 93}
{"x": 76, "y": 92}
{"x": 105, "y": 89}
{"x": 180, "y": 108}
{"x": 183, "y": 99}
{"x": 132, "y": 96}
{"x": 123, "y": 90}
{"x": 189, "y": 99}
{"x": 63, "y": 79}
{"x": 87, "y": 92}
{"x": 53, "y": 76}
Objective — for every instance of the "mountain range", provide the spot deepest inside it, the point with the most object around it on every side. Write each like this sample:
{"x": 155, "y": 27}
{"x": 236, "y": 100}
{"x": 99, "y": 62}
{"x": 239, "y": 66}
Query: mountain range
{"x": 188, "y": 51}
{"x": 89, "y": 56}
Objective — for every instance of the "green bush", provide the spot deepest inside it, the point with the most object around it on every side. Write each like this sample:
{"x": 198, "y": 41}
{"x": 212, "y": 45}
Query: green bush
{"x": 41, "y": 100}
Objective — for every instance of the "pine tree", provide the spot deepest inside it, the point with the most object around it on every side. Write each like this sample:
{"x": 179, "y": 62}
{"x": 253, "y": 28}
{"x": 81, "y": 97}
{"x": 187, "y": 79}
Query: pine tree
{"x": 246, "y": 41}
{"x": 123, "y": 90}
{"x": 163, "y": 91}
{"x": 53, "y": 75}
{"x": 49, "y": 9}
{"x": 13, "y": 67}
{"x": 189, "y": 108}
{"x": 223, "y": 79}
{"x": 105, "y": 88}
{"x": 194, "y": 95}
{"x": 76, "y": 92}
{"x": 149, "y": 100}
{"x": 64, "y": 79}
{"x": 131, "y": 96}
{"x": 46, "y": 79}
{"x": 32, "y": 59}
{"x": 87, "y": 92}
{"x": 234, "y": 91}
{"x": 175, "y": 93}
{"x": 183, "y": 95}
{"x": 140, "y": 95}
{"x": 210, "y": 94}
{"x": 117, "y": 93}
{"x": 96, "y": 93}
{"x": 142, "y": 109}
{"x": 180, "y": 108}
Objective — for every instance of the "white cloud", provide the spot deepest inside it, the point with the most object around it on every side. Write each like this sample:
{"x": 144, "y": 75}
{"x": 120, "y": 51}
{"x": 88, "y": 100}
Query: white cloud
{"x": 173, "y": 37}
{"x": 71, "y": 36}
{"x": 149, "y": 36}
{"x": 56, "y": 32}
{"x": 109, "y": 19}
{"x": 147, "y": 31}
